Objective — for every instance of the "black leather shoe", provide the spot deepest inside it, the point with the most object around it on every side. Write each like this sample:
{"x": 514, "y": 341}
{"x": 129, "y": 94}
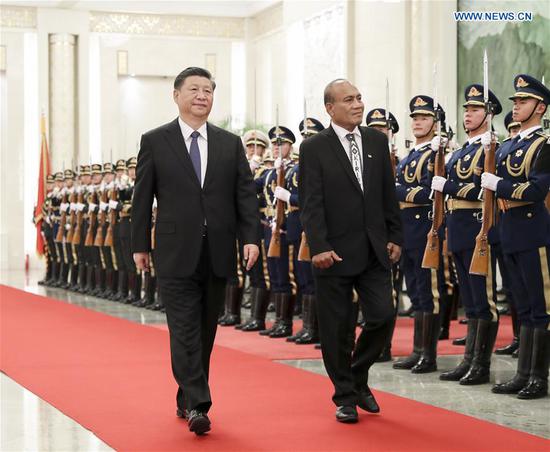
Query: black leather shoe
{"x": 367, "y": 401}
{"x": 183, "y": 414}
{"x": 198, "y": 422}
{"x": 508, "y": 349}
{"x": 347, "y": 414}
{"x": 536, "y": 388}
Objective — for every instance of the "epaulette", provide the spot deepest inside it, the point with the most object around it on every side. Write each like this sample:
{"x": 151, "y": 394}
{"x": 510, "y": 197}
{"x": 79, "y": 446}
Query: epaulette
{"x": 260, "y": 171}
{"x": 543, "y": 134}
{"x": 506, "y": 139}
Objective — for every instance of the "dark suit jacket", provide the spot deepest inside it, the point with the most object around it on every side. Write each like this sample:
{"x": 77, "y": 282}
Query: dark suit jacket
{"x": 335, "y": 213}
{"x": 227, "y": 201}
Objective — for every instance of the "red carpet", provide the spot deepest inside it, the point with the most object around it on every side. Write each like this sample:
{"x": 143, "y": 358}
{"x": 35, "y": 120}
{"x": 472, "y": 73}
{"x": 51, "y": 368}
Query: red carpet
{"x": 113, "y": 377}
{"x": 402, "y": 341}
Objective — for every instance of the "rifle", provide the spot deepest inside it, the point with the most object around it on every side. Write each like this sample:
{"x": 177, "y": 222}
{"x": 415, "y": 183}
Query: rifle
{"x": 480, "y": 259}
{"x": 275, "y": 244}
{"x": 62, "y": 221}
{"x": 73, "y": 200}
{"x": 79, "y": 219}
{"x": 93, "y": 220}
{"x": 432, "y": 252}
{"x": 99, "y": 238}
{"x": 112, "y": 219}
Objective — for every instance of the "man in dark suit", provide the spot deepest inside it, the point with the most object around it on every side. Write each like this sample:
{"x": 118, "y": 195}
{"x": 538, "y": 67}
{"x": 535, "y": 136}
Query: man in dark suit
{"x": 205, "y": 195}
{"x": 351, "y": 219}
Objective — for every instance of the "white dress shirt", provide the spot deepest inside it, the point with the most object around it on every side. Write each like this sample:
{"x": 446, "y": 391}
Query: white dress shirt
{"x": 341, "y": 134}
{"x": 202, "y": 140}
{"x": 529, "y": 131}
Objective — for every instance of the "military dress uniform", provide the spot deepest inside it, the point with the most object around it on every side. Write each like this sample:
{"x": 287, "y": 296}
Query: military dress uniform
{"x": 259, "y": 293}
{"x": 523, "y": 181}
{"x": 413, "y": 182}
{"x": 55, "y": 217}
{"x": 510, "y": 349}
{"x": 125, "y": 194}
{"x": 91, "y": 223}
{"x": 302, "y": 270}
{"x": 116, "y": 247}
{"x": 278, "y": 267}
{"x": 46, "y": 229}
{"x": 463, "y": 221}
{"x": 64, "y": 247}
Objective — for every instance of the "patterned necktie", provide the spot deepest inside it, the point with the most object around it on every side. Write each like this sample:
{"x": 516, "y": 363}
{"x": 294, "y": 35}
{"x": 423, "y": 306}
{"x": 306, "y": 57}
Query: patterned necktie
{"x": 195, "y": 155}
{"x": 355, "y": 159}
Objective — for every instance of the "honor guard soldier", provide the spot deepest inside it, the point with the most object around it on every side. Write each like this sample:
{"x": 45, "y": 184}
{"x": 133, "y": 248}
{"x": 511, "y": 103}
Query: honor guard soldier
{"x": 55, "y": 217}
{"x": 282, "y": 140}
{"x": 79, "y": 230}
{"x": 91, "y": 221}
{"x": 464, "y": 215}
{"x": 104, "y": 251}
{"x": 125, "y": 194}
{"x": 309, "y": 333}
{"x": 376, "y": 118}
{"x": 46, "y": 229}
{"x": 256, "y": 142}
{"x": 413, "y": 193}
{"x": 65, "y": 248}
{"x": 521, "y": 184}
{"x": 261, "y": 296}
{"x": 114, "y": 224}
{"x": 512, "y": 128}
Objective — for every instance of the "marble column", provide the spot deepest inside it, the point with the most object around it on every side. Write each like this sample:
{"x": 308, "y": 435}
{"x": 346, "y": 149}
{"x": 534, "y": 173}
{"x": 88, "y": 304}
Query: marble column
{"x": 63, "y": 111}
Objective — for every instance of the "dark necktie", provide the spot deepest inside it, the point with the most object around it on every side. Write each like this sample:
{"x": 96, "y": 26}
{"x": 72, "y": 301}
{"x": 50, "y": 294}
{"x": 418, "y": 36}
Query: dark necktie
{"x": 355, "y": 159}
{"x": 195, "y": 155}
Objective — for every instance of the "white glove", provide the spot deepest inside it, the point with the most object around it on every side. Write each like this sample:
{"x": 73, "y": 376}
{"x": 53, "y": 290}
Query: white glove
{"x": 486, "y": 139}
{"x": 55, "y": 191}
{"x": 273, "y": 227}
{"x": 72, "y": 206}
{"x": 79, "y": 189}
{"x": 68, "y": 226}
{"x": 80, "y": 206}
{"x": 63, "y": 207}
{"x": 490, "y": 181}
{"x": 92, "y": 207}
{"x": 282, "y": 193}
{"x": 113, "y": 204}
{"x": 64, "y": 190}
{"x": 437, "y": 142}
{"x": 254, "y": 165}
{"x": 278, "y": 162}
{"x": 438, "y": 183}
{"x": 103, "y": 205}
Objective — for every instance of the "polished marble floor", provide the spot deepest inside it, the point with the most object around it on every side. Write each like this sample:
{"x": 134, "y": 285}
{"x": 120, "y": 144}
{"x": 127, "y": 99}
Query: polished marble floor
{"x": 29, "y": 423}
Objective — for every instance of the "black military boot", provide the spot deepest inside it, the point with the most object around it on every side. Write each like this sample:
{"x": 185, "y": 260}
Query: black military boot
{"x": 233, "y": 300}
{"x": 108, "y": 277}
{"x": 99, "y": 282}
{"x": 412, "y": 359}
{"x": 122, "y": 291}
{"x": 276, "y": 300}
{"x": 68, "y": 278}
{"x": 305, "y": 320}
{"x": 48, "y": 274}
{"x": 53, "y": 274}
{"x": 537, "y": 386}
{"x": 428, "y": 360}
{"x": 259, "y": 299}
{"x": 63, "y": 277}
{"x": 147, "y": 299}
{"x": 461, "y": 341}
{"x": 111, "y": 289}
{"x": 520, "y": 379}
{"x": 462, "y": 369}
{"x": 481, "y": 364}
{"x": 90, "y": 282}
{"x": 514, "y": 345}
{"x": 311, "y": 336}
{"x": 158, "y": 305}
{"x": 151, "y": 292}
{"x": 73, "y": 281}
{"x": 446, "y": 307}
{"x": 287, "y": 313}
{"x": 134, "y": 288}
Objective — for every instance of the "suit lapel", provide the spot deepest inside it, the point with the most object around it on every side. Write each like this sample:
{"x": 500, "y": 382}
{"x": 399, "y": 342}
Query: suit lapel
{"x": 213, "y": 151}
{"x": 177, "y": 145}
{"x": 338, "y": 149}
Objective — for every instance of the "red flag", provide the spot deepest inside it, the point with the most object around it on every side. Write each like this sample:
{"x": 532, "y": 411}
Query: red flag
{"x": 43, "y": 171}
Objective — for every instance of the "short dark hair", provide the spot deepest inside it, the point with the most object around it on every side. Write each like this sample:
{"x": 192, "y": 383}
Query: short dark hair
{"x": 189, "y": 72}
{"x": 327, "y": 95}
